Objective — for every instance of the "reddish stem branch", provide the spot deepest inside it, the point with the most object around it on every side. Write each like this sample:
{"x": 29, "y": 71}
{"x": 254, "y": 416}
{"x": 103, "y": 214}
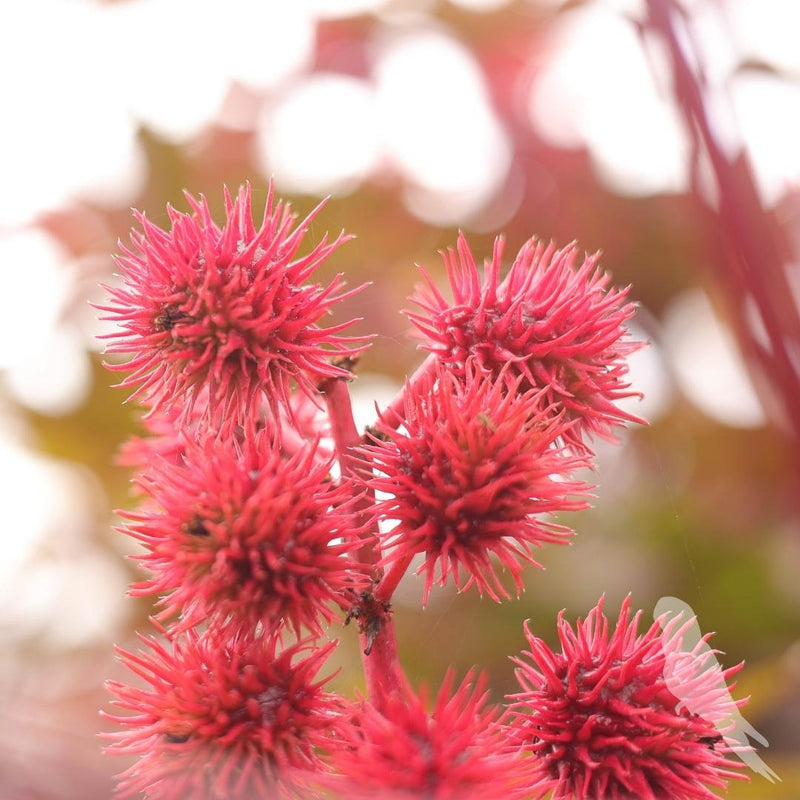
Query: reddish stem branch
{"x": 291, "y": 440}
{"x": 397, "y": 406}
{"x": 389, "y": 581}
{"x": 379, "y": 657}
{"x": 347, "y": 438}
{"x": 754, "y": 265}
{"x": 381, "y": 663}
{"x": 343, "y": 427}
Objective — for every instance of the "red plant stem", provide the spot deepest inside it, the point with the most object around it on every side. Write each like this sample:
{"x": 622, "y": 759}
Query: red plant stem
{"x": 345, "y": 434}
{"x": 347, "y": 438}
{"x": 753, "y": 265}
{"x": 379, "y": 656}
{"x": 389, "y": 581}
{"x": 291, "y": 441}
{"x": 396, "y": 408}
{"x": 382, "y": 671}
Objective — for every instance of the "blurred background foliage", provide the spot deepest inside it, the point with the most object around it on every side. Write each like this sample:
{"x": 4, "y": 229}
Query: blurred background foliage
{"x": 567, "y": 120}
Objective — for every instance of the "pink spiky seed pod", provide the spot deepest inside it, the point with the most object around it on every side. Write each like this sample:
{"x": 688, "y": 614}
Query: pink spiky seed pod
{"x": 599, "y": 719}
{"x": 407, "y": 750}
{"x": 471, "y": 469}
{"x": 226, "y": 310}
{"x": 168, "y": 430}
{"x": 560, "y": 327}
{"x": 244, "y": 536}
{"x": 221, "y": 717}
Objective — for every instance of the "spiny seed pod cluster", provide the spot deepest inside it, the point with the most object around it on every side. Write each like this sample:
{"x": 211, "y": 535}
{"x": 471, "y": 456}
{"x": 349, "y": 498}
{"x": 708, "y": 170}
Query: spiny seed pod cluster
{"x": 266, "y": 517}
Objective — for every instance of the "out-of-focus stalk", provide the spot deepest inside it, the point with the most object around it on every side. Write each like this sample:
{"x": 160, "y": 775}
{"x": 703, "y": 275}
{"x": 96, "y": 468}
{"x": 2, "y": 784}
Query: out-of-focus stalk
{"x": 750, "y": 264}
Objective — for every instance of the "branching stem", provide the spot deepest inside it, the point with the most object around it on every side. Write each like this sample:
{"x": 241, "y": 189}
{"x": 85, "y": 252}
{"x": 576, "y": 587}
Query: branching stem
{"x": 379, "y": 656}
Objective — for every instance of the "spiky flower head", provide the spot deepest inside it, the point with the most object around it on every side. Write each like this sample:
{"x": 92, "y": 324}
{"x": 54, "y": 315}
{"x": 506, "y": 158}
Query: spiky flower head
{"x": 560, "y": 327}
{"x": 405, "y": 750}
{"x": 225, "y": 310}
{"x": 599, "y": 718}
{"x": 167, "y": 431}
{"x": 221, "y": 718}
{"x": 244, "y": 535}
{"x": 469, "y": 475}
